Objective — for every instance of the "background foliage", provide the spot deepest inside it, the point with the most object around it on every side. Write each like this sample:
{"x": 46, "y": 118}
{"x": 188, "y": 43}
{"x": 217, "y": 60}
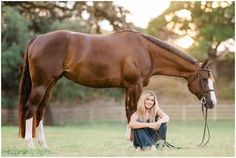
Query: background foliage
{"x": 208, "y": 24}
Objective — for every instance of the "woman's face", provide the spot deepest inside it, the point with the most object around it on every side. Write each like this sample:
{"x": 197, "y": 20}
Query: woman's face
{"x": 149, "y": 102}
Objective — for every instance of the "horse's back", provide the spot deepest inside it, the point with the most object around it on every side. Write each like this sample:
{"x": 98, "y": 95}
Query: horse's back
{"x": 113, "y": 60}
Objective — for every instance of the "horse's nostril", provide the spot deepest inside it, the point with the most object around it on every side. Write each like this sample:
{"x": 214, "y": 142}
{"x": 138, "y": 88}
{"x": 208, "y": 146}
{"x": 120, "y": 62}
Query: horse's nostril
{"x": 214, "y": 103}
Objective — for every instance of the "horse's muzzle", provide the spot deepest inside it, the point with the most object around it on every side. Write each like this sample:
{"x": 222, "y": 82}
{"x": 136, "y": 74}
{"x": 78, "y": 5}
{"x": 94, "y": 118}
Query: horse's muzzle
{"x": 208, "y": 103}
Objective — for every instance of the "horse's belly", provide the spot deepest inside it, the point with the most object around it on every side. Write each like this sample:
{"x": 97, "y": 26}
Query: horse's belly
{"x": 96, "y": 76}
{"x": 95, "y": 82}
{"x": 105, "y": 83}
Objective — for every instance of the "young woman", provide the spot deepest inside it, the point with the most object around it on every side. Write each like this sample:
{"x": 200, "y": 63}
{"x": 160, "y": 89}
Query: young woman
{"x": 148, "y": 122}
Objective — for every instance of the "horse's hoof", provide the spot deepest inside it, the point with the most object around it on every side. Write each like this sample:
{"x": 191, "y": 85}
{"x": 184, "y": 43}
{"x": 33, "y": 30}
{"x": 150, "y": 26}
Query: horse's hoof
{"x": 43, "y": 145}
{"x": 30, "y": 144}
{"x": 31, "y": 147}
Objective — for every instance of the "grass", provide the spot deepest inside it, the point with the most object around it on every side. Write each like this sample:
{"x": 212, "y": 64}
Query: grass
{"x": 107, "y": 139}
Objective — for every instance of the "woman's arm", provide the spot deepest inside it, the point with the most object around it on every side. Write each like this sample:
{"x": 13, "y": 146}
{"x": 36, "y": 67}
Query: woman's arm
{"x": 164, "y": 118}
{"x": 134, "y": 124}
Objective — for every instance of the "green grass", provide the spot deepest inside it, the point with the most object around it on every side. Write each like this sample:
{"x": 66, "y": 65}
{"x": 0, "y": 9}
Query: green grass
{"x": 107, "y": 139}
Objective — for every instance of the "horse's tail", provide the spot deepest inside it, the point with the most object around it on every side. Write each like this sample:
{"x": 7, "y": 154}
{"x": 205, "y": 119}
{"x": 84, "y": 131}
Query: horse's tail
{"x": 24, "y": 91}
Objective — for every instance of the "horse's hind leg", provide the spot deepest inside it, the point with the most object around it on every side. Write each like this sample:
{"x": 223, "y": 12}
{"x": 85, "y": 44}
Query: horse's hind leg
{"x": 35, "y": 97}
{"x": 40, "y": 113}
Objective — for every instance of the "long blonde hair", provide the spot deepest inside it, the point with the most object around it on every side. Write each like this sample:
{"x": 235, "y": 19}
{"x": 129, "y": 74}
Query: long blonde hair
{"x": 141, "y": 107}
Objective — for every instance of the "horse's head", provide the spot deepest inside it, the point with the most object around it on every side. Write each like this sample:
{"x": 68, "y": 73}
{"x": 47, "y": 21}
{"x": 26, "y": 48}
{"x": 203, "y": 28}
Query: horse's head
{"x": 201, "y": 84}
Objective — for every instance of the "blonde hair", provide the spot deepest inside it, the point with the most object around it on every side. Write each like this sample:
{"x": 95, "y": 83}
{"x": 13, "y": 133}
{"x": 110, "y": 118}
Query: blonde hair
{"x": 141, "y": 107}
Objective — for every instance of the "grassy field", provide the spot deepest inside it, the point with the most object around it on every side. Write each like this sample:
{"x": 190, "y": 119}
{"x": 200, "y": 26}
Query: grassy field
{"x": 107, "y": 139}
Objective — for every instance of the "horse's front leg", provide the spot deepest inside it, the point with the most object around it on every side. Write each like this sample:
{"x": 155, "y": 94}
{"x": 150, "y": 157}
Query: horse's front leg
{"x": 28, "y": 133}
{"x": 40, "y": 135}
{"x": 133, "y": 93}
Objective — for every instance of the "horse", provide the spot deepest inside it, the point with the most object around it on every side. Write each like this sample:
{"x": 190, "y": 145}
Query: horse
{"x": 125, "y": 59}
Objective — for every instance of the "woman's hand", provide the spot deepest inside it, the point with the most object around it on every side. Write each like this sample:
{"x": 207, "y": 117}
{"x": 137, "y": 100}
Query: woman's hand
{"x": 155, "y": 125}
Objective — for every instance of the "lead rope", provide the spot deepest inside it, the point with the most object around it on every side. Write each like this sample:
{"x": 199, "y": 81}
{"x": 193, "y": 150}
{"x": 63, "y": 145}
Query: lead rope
{"x": 167, "y": 143}
{"x": 203, "y": 102}
{"x": 204, "y": 132}
{"x": 205, "y": 126}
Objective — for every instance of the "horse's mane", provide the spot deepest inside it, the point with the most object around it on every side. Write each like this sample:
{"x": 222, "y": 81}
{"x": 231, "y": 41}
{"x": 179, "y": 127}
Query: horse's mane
{"x": 169, "y": 47}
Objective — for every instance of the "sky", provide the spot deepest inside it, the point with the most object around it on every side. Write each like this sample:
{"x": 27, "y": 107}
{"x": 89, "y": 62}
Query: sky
{"x": 142, "y": 11}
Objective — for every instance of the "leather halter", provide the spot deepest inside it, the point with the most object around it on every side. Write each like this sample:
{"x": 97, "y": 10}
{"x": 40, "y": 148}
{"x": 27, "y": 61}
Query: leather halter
{"x": 202, "y": 91}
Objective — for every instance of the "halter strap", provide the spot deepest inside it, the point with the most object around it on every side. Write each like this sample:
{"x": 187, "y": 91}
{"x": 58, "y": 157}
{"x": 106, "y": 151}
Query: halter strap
{"x": 200, "y": 82}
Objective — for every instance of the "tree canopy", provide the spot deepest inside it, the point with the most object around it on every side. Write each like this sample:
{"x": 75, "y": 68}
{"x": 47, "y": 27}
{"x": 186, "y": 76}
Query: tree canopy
{"x": 208, "y": 23}
{"x": 43, "y": 14}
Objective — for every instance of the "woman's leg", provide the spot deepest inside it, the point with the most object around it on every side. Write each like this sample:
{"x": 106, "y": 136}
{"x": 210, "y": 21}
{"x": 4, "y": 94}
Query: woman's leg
{"x": 162, "y": 132}
{"x": 161, "y": 136}
{"x": 146, "y": 137}
{"x": 142, "y": 138}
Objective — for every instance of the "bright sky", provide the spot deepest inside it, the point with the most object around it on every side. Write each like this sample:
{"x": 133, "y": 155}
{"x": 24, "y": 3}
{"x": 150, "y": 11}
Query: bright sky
{"x": 141, "y": 12}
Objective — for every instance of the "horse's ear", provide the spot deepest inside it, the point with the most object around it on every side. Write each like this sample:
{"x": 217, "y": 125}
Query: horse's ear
{"x": 205, "y": 63}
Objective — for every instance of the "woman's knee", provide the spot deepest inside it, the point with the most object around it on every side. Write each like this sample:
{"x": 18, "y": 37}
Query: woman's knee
{"x": 164, "y": 126}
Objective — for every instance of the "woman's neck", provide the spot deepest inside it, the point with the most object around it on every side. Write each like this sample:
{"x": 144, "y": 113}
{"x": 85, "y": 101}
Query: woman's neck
{"x": 147, "y": 114}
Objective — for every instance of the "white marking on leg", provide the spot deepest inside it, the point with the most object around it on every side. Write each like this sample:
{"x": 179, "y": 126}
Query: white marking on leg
{"x": 28, "y": 133}
{"x": 212, "y": 93}
{"x": 40, "y": 135}
{"x": 128, "y": 132}
{"x": 40, "y": 132}
{"x": 128, "y": 135}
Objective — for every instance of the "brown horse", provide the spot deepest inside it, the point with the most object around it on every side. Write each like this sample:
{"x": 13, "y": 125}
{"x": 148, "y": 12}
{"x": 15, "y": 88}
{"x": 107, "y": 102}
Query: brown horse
{"x": 126, "y": 59}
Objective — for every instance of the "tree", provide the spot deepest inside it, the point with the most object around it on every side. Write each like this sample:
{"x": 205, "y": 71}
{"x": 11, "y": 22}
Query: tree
{"x": 208, "y": 23}
{"x": 15, "y": 34}
{"x": 43, "y": 14}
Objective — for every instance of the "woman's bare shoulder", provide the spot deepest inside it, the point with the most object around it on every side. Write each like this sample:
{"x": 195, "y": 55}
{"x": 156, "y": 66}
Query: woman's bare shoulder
{"x": 135, "y": 114}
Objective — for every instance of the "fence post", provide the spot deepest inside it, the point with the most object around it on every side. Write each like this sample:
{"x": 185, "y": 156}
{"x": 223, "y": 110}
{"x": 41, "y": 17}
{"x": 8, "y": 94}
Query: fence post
{"x": 214, "y": 114}
{"x": 91, "y": 115}
{"x": 122, "y": 115}
{"x": 183, "y": 113}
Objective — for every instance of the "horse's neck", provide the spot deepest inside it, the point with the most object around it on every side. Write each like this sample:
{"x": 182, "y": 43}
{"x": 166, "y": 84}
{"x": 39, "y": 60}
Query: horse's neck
{"x": 170, "y": 64}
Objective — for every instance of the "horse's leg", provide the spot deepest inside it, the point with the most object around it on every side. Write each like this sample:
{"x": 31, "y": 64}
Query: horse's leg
{"x": 40, "y": 113}
{"x": 35, "y": 97}
{"x": 128, "y": 101}
{"x": 133, "y": 93}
